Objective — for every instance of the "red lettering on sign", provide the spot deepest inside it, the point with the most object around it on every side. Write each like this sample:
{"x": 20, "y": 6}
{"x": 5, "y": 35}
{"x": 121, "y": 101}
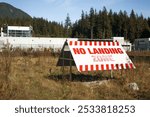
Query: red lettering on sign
{"x": 105, "y": 51}
{"x": 101, "y": 51}
{"x": 102, "y": 58}
{"x": 89, "y": 51}
{"x": 119, "y": 50}
{"x": 79, "y": 50}
{"x": 95, "y": 51}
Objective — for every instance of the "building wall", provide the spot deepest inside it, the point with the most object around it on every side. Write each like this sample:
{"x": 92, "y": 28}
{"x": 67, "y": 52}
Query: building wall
{"x": 34, "y": 42}
{"x": 41, "y": 42}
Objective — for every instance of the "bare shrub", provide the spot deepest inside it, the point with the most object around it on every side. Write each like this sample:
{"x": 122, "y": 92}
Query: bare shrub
{"x": 6, "y": 61}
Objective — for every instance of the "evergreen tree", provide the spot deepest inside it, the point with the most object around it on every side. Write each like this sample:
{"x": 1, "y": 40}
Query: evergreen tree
{"x": 132, "y": 26}
{"x": 106, "y": 24}
{"x": 125, "y": 19}
{"x": 68, "y": 26}
{"x": 148, "y": 21}
{"x": 92, "y": 21}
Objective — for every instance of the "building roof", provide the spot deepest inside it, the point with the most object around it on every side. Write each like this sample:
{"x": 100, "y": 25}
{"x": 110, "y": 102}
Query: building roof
{"x": 19, "y": 28}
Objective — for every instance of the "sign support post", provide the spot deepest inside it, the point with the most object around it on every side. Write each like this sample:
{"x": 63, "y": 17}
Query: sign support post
{"x": 70, "y": 68}
{"x": 111, "y": 73}
{"x": 63, "y": 65}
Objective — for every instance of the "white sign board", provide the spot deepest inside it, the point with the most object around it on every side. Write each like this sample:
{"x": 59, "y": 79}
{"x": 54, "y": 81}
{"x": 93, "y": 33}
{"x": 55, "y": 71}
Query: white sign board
{"x": 97, "y": 55}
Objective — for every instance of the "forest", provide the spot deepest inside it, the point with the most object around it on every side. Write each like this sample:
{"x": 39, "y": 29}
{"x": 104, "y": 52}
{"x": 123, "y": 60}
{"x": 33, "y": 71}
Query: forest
{"x": 93, "y": 24}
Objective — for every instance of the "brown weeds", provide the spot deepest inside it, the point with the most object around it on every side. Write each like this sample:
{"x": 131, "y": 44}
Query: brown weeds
{"x": 34, "y": 75}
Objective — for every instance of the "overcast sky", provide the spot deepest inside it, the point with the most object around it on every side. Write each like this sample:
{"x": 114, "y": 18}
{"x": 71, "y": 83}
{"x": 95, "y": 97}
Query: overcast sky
{"x": 56, "y": 10}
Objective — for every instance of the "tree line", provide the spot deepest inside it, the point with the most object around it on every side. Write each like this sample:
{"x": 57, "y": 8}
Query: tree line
{"x": 95, "y": 24}
{"x": 41, "y": 27}
{"x": 104, "y": 24}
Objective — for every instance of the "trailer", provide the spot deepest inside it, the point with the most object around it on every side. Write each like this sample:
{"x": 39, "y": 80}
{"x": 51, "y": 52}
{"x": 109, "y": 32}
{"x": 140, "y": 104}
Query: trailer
{"x": 142, "y": 44}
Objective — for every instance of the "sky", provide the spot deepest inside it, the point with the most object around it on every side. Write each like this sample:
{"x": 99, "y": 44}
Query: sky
{"x": 57, "y": 10}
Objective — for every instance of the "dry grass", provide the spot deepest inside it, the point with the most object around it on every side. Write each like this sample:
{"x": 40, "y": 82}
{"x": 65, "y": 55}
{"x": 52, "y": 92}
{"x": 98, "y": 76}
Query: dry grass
{"x": 36, "y": 76}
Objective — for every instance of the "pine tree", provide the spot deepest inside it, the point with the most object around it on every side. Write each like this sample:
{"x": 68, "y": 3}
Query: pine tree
{"x": 92, "y": 21}
{"x": 132, "y": 26}
{"x": 106, "y": 24}
{"x": 148, "y": 21}
{"x": 68, "y": 26}
{"x": 125, "y": 25}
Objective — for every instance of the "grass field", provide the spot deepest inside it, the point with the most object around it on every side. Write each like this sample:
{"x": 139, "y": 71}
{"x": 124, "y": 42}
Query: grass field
{"x": 35, "y": 76}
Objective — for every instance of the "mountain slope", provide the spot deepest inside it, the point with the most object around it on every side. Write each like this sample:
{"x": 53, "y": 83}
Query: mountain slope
{"x": 7, "y": 10}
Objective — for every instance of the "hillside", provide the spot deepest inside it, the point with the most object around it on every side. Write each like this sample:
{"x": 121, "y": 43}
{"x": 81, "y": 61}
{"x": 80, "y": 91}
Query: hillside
{"x": 7, "y": 10}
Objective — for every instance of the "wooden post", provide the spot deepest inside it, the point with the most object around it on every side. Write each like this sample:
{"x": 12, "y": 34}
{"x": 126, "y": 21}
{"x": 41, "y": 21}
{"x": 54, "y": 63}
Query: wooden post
{"x": 111, "y": 73}
{"x": 70, "y": 68}
{"x": 63, "y": 65}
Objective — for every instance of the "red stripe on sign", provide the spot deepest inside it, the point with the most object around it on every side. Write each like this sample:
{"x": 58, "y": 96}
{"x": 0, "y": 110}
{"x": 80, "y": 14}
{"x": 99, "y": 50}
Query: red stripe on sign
{"x": 108, "y": 43}
{"x": 117, "y": 43}
{"x": 131, "y": 65}
{"x": 86, "y": 67}
{"x": 92, "y": 67}
{"x": 117, "y": 66}
{"x": 113, "y": 43}
{"x": 127, "y": 66}
{"x": 70, "y": 43}
{"x": 75, "y": 43}
{"x": 107, "y": 67}
{"x": 112, "y": 66}
{"x": 104, "y": 43}
{"x": 97, "y": 67}
{"x": 81, "y": 43}
{"x": 90, "y": 43}
{"x": 121, "y": 66}
{"x": 100, "y": 43}
{"x": 85, "y": 42}
{"x": 95, "y": 43}
{"x": 102, "y": 67}
{"x": 81, "y": 68}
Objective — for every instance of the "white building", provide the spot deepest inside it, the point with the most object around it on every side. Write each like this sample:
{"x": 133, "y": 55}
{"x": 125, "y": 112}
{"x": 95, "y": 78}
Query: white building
{"x": 21, "y": 37}
{"x": 142, "y": 44}
{"x": 125, "y": 44}
{"x": 16, "y": 31}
